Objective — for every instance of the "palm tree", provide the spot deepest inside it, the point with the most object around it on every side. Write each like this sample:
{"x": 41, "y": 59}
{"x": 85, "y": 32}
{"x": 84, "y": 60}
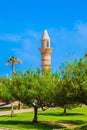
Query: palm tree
{"x": 13, "y": 60}
{"x": 85, "y": 56}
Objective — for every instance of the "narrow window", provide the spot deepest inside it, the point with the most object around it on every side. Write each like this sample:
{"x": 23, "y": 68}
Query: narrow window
{"x": 47, "y": 44}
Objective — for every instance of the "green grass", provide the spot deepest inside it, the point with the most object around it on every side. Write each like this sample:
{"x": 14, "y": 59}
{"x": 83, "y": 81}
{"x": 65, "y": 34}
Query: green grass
{"x": 81, "y": 127}
{"x": 76, "y": 116}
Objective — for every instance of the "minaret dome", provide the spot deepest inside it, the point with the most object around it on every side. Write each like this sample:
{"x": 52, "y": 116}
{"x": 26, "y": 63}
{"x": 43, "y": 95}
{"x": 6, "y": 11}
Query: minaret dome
{"x": 45, "y": 39}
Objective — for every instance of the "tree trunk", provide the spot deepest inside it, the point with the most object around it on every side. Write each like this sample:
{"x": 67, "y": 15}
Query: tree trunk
{"x": 64, "y": 112}
{"x": 12, "y": 69}
{"x": 35, "y": 115}
{"x": 12, "y": 110}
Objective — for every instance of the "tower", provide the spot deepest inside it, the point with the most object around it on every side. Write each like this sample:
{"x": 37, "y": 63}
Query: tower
{"x": 46, "y": 51}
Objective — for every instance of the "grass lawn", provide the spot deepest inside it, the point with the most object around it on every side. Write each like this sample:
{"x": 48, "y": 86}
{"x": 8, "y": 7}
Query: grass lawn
{"x": 48, "y": 119}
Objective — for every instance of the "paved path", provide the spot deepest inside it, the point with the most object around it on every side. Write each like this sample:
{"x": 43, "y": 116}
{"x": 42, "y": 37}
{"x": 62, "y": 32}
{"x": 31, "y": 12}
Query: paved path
{"x": 2, "y": 113}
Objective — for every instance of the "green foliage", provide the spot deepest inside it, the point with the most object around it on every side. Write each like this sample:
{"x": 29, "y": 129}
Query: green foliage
{"x": 73, "y": 83}
{"x": 4, "y": 89}
{"x": 66, "y": 89}
{"x": 33, "y": 88}
{"x": 13, "y": 60}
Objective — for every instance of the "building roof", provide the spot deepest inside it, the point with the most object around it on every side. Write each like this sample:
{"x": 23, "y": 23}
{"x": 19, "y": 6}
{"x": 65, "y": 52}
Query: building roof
{"x": 45, "y": 35}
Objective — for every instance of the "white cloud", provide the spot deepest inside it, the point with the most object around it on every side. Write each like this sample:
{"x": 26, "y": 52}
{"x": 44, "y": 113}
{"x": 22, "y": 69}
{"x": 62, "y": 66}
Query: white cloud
{"x": 66, "y": 43}
{"x": 10, "y": 37}
{"x": 81, "y": 29}
{"x": 33, "y": 34}
{"x": 28, "y": 52}
{"x": 75, "y": 38}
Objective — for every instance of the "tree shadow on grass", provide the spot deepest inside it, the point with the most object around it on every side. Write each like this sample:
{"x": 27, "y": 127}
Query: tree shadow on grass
{"x": 74, "y": 122}
{"x": 60, "y": 114}
{"x": 30, "y": 125}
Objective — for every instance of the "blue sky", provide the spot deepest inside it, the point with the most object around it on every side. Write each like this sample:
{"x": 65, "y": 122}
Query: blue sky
{"x": 22, "y": 23}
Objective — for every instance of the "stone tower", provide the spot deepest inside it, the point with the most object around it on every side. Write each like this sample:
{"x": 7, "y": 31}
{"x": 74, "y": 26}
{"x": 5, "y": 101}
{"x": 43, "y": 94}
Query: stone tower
{"x": 46, "y": 51}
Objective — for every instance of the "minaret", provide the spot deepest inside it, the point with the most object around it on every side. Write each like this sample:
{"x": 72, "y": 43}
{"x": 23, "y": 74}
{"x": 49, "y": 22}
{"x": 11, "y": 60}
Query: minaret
{"x": 46, "y": 51}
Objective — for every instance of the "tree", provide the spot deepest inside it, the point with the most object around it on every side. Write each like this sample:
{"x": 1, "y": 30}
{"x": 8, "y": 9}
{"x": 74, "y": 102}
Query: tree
{"x": 13, "y": 60}
{"x": 80, "y": 80}
{"x": 5, "y": 93}
{"x": 73, "y": 88}
{"x": 66, "y": 93}
{"x": 34, "y": 89}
